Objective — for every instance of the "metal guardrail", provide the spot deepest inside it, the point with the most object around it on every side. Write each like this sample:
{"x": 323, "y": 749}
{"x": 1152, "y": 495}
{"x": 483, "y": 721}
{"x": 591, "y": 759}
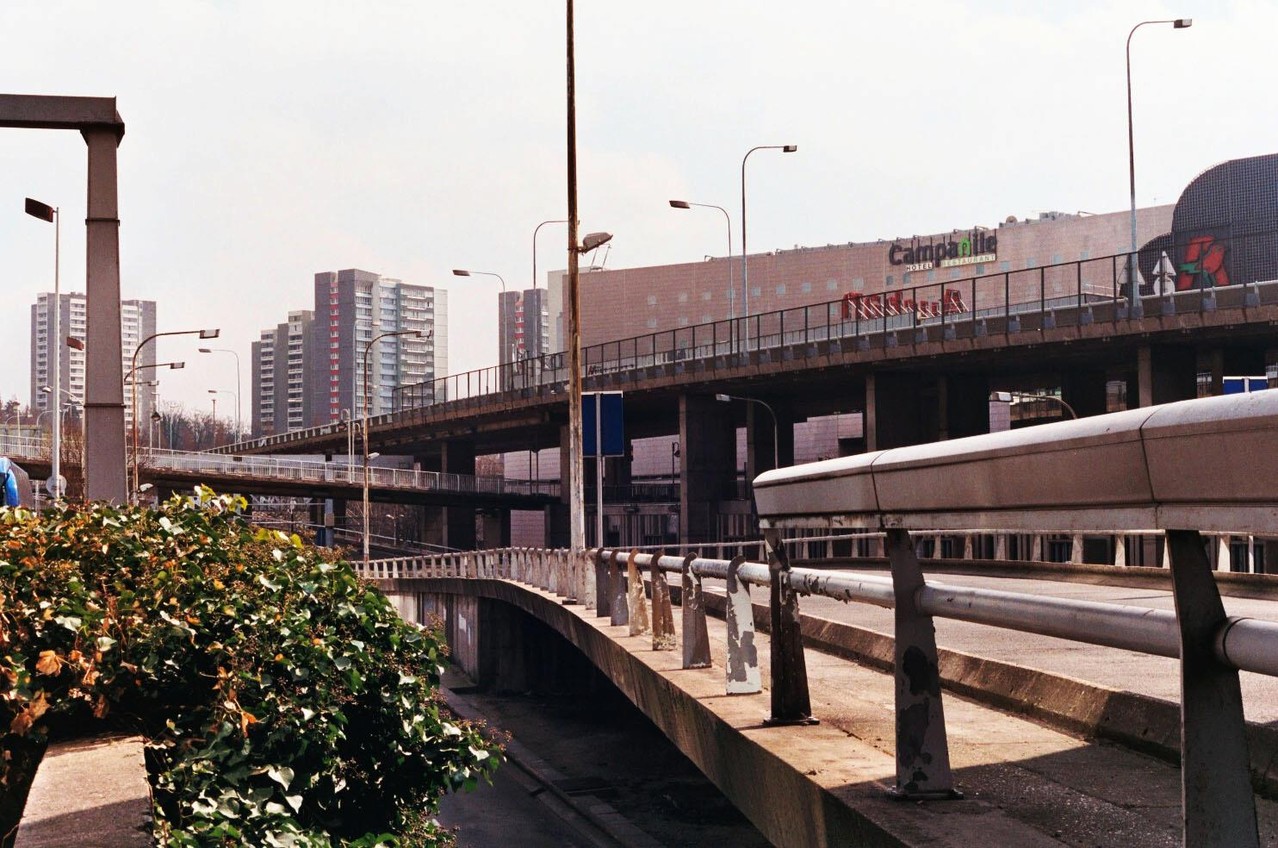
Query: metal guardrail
{"x": 1069, "y": 294}
{"x": 1178, "y": 468}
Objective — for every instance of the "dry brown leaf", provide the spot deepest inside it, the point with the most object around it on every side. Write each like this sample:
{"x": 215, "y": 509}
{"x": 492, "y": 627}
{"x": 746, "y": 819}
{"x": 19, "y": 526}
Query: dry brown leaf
{"x": 48, "y": 663}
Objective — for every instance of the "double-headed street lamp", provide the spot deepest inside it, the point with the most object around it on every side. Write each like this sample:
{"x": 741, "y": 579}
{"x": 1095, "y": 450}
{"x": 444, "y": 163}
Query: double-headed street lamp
{"x": 367, "y": 404}
{"x": 45, "y": 212}
{"x": 687, "y": 204}
{"x": 745, "y": 274}
{"x": 204, "y": 334}
{"x": 239, "y": 422}
{"x": 1178, "y": 23}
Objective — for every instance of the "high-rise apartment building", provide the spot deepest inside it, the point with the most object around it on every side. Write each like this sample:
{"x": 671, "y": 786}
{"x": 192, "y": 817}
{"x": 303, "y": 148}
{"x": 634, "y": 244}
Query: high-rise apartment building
{"x": 352, "y": 308}
{"x": 281, "y": 401}
{"x": 310, "y": 370}
{"x": 523, "y": 331}
{"x": 137, "y": 322}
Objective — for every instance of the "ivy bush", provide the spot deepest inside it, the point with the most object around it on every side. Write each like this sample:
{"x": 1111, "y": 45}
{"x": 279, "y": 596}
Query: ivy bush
{"x": 283, "y": 700}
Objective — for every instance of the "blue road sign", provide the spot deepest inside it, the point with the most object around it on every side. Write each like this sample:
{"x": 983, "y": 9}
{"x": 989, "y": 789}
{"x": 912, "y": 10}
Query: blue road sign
{"x": 604, "y": 408}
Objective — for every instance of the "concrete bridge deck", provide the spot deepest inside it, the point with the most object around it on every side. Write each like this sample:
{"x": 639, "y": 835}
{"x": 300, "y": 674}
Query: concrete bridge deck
{"x": 1025, "y": 784}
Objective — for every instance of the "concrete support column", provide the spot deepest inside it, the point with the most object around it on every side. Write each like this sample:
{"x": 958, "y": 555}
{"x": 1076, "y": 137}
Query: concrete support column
{"x": 1084, "y": 391}
{"x": 105, "y": 474}
{"x": 1165, "y": 373}
{"x": 911, "y": 409}
{"x": 1232, "y": 362}
{"x": 708, "y": 471}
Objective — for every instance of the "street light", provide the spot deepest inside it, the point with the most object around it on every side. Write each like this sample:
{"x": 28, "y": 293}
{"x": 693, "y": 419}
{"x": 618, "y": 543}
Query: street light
{"x": 239, "y": 423}
{"x": 45, "y": 212}
{"x": 1132, "y": 269}
{"x": 1006, "y": 397}
{"x": 535, "y": 231}
{"x": 204, "y": 334}
{"x": 215, "y": 393}
{"x": 687, "y": 204}
{"x": 745, "y": 275}
{"x": 367, "y": 404}
{"x": 504, "y": 349}
{"x": 776, "y": 454}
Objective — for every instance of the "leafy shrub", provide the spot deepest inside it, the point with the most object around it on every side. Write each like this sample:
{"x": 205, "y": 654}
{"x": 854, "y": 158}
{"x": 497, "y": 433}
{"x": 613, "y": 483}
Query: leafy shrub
{"x": 284, "y": 701}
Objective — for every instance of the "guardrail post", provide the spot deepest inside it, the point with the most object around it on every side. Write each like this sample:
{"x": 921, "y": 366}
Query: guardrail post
{"x": 638, "y": 603}
{"x": 790, "y": 701}
{"x": 602, "y": 599}
{"x": 743, "y": 653}
{"x": 967, "y": 547}
{"x": 1000, "y": 546}
{"x": 618, "y": 608}
{"x": 922, "y": 748}
{"x": 1076, "y": 549}
{"x": 1219, "y": 806}
{"x": 696, "y": 638}
{"x": 663, "y": 630}
{"x": 586, "y": 582}
{"x": 1120, "y": 550}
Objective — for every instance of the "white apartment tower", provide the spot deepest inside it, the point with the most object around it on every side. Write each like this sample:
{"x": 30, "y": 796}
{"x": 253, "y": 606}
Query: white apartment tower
{"x": 137, "y": 322}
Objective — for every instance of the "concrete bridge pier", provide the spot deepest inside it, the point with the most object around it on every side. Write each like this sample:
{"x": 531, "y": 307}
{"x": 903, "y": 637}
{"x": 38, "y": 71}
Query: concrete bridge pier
{"x": 450, "y": 526}
{"x": 905, "y": 408}
{"x": 1164, "y": 373}
{"x": 759, "y": 444}
{"x": 707, "y": 473}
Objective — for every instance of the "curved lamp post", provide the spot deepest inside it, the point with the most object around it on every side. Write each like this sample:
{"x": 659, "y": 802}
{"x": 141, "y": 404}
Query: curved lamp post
{"x": 368, "y": 346}
{"x": 239, "y": 423}
{"x": 535, "y": 231}
{"x": 687, "y": 204}
{"x": 204, "y": 334}
{"x": 776, "y": 454}
{"x": 1006, "y": 397}
{"x": 745, "y": 276}
{"x": 1178, "y": 23}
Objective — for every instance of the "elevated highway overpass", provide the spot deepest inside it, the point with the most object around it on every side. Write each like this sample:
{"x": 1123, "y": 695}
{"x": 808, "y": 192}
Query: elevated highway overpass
{"x": 916, "y": 375}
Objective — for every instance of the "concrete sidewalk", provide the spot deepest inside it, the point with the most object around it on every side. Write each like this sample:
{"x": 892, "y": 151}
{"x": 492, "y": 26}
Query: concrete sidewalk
{"x": 1025, "y": 784}
{"x": 91, "y": 793}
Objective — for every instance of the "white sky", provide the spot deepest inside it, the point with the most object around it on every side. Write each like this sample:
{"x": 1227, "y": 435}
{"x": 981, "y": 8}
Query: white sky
{"x": 267, "y": 140}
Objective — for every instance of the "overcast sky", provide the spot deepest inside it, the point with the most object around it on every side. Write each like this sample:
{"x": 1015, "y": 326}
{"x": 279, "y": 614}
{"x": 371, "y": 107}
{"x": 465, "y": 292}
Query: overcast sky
{"x": 267, "y": 140}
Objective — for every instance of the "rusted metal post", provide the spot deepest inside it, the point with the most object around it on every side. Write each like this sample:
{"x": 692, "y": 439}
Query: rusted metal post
{"x": 602, "y": 599}
{"x": 922, "y": 750}
{"x": 696, "y": 638}
{"x": 1218, "y": 803}
{"x": 618, "y": 608}
{"x": 742, "y": 669}
{"x": 663, "y": 629}
{"x": 638, "y": 603}
{"x": 790, "y": 701}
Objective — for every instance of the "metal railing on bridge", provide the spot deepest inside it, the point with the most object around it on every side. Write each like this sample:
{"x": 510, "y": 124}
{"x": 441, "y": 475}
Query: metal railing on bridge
{"x": 301, "y": 470}
{"x": 1180, "y": 468}
{"x": 1005, "y": 303}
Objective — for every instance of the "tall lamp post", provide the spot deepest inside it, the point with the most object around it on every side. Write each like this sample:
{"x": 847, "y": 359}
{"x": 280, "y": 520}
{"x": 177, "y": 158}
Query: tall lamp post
{"x": 687, "y": 204}
{"x": 776, "y": 454}
{"x": 1132, "y": 269}
{"x": 215, "y": 393}
{"x": 204, "y": 334}
{"x": 745, "y": 274}
{"x": 503, "y": 348}
{"x": 536, "y": 230}
{"x": 364, "y": 427}
{"x": 239, "y": 423}
{"x": 44, "y": 212}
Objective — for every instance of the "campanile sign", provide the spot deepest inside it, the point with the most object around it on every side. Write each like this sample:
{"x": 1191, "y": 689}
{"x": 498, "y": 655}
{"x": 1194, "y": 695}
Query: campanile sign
{"x": 972, "y": 248}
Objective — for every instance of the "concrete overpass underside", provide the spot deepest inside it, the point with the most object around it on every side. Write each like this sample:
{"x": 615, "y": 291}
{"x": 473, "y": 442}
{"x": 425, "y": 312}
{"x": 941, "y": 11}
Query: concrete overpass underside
{"x": 1025, "y": 784}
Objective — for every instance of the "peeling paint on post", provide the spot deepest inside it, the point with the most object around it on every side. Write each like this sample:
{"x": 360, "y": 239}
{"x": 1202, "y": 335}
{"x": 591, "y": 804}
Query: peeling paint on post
{"x": 638, "y": 603}
{"x": 618, "y": 607}
{"x": 922, "y": 749}
{"x": 663, "y": 629}
{"x": 791, "y": 703}
{"x": 602, "y": 599}
{"x": 743, "y": 654}
{"x": 696, "y": 637}
{"x": 1219, "y": 805}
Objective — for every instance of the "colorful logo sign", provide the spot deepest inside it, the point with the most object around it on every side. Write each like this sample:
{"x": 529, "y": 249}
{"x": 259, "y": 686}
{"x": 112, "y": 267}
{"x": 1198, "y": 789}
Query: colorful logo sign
{"x": 870, "y": 306}
{"x": 1204, "y": 264}
{"x": 973, "y": 248}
